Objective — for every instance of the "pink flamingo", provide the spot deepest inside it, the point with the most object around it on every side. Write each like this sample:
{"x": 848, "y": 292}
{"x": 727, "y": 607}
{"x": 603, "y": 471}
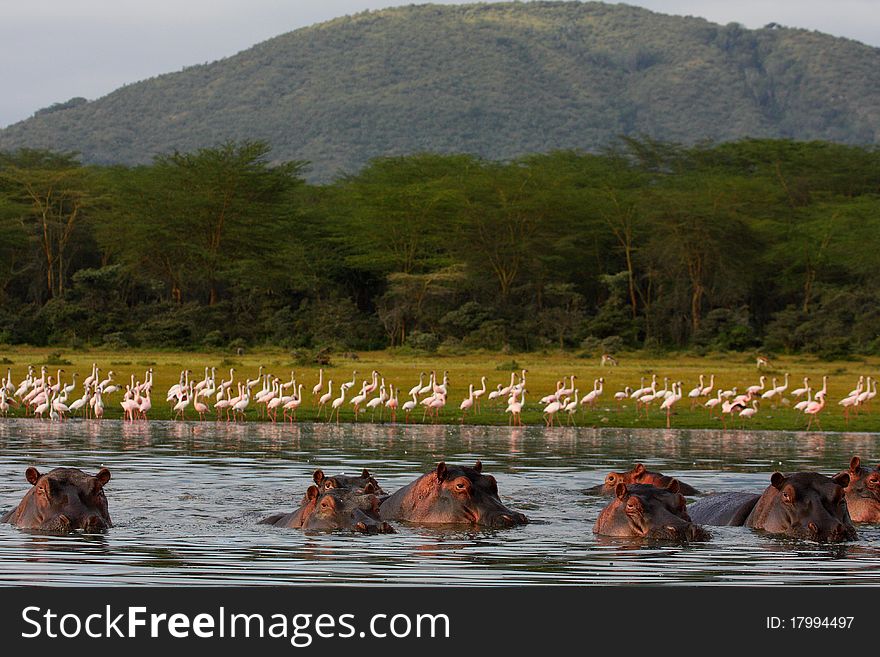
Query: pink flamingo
{"x": 813, "y": 409}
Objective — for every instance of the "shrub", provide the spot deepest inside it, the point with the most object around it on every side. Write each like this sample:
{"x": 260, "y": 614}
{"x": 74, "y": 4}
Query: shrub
{"x": 425, "y": 342}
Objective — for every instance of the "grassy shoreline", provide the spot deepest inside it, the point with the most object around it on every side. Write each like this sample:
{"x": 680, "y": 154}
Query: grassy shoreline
{"x": 544, "y": 369}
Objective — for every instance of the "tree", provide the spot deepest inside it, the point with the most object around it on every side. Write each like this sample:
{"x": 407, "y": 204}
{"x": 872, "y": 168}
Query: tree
{"x": 53, "y": 195}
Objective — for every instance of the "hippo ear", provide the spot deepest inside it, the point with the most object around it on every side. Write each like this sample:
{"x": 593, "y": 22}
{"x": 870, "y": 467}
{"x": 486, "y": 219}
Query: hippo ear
{"x": 841, "y": 479}
{"x": 441, "y": 471}
{"x": 673, "y": 486}
{"x": 312, "y": 493}
{"x": 478, "y": 466}
{"x": 620, "y": 491}
{"x": 365, "y": 474}
{"x": 854, "y": 464}
{"x": 639, "y": 469}
{"x": 777, "y": 480}
{"x": 103, "y": 476}
{"x": 32, "y": 475}
{"x": 369, "y": 488}
{"x": 318, "y": 476}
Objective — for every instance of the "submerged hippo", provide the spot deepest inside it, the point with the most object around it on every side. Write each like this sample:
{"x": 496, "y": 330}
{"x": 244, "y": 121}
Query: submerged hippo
{"x": 451, "y": 495}
{"x": 646, "y": 511}
{"x": 63, "y": 500}
{"x": 334, "y": 509}
{"x": 347, "y": 482}
{"x": 639, "y": 475}
{"x": 863, "y": 492}
{"x": 804, "y": 505}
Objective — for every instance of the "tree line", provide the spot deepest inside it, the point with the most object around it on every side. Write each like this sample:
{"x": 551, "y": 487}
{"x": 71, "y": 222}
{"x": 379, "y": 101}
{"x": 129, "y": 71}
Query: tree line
{"x": 756, "y": 244}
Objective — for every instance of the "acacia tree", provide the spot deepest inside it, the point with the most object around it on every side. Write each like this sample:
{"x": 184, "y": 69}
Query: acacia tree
{"x": 195, "y": 220}
{"x": 53, "y": 195}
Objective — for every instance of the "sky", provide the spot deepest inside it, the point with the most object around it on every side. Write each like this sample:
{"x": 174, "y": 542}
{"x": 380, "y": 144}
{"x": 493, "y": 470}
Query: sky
{"x": 54, "y": 50}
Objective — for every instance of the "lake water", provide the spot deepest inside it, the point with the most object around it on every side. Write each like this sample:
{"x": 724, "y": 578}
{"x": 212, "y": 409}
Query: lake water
{"x": 185, "y": 500}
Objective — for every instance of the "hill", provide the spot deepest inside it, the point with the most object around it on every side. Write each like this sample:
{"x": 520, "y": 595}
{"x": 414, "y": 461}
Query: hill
{"x": 496, "y": 80}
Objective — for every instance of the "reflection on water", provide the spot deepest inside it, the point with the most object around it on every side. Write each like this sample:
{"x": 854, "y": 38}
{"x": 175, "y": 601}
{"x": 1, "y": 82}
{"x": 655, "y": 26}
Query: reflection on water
{"x": 185, "y": 499}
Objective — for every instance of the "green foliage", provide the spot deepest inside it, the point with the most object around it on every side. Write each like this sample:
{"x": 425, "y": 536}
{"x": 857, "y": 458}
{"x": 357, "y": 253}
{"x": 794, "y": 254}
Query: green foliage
{"x": 723, "y": 247}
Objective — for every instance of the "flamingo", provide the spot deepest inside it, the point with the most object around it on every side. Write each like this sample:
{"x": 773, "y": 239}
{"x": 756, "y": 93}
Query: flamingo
{"x": 467, "y": 403}
{"x": 591, "y": 397}
{"x": 99, "y": 405}
{"x": 292, "y": 405}
{"x": 709, "y": 388}
{"x": 622, "y": 395}
{"x": 546, "y": 399}
{"x": 550, "y": 411}
{"x": 326, "y": 397}
{"x": 514, "y": 407}
{"x": 495, "y": 394}
{"x": 695, "y": 392}
{"x": 180, "y": 407}
{"x": 571, "y": 407}
{"x": 750, "y": 412}
{"x": 435, "y": 405}
{"x": 800, "y": 392}
{"x": 417, "y": 389}
{"x": 378, "y": 402}
{"x": 712, "y": 403}
{"x": 357, "y": 400}
{"x": 772, "y": 392}
{"x": 755, "y": 390}
{"x": 320, "y": 384}
{"x": 199, "y": 407}
{"x": 801, "y": 405}
{"x": 478, "y": 393}
{"x": 392, "y": 403}
{"x": 813, "y": 409}
{"x": 337, "y": 404}
{"x": 670, "y": 402}
{"x": 239, "y": 407}
{"x": 409, "y": 406}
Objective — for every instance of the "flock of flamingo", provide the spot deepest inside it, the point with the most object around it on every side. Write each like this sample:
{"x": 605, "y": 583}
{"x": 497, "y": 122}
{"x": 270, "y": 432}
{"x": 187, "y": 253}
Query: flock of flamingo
{"x": 45, "y": 396}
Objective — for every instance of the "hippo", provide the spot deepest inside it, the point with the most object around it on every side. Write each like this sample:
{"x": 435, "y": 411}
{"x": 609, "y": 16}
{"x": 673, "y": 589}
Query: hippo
{"x": 805, "y": 505}
{"x": 639, "y": 475}
{"x": 646, "y": 511}
{"x": 63, "y": 500}
{"x": 863, "y": 492}
{"x": 334, "y": 509}
{"x": 348, "y": 482}
{"x": 451, "y": 495}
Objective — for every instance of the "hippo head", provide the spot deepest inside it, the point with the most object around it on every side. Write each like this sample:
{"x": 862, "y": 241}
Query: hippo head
{"x": 805, "y": 505}
{"x": 347, "y": 482}
{"x": 639, "y": 475}
{"x": 646, "y": 511}
{"x": 339, "y": 508}
{"x": 863, "y": 492}
{"x": 63, "y": 500}
{"x": 452, "y": 495}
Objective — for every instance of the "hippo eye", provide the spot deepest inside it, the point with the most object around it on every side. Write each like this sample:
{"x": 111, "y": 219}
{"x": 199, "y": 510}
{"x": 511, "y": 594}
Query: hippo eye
{"x": 459, "y": 486}
{"x": 786, "y": 498}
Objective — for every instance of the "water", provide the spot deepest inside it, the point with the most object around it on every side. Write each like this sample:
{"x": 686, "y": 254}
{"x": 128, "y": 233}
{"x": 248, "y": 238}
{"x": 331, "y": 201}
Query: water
{"x": 185, "y": 499}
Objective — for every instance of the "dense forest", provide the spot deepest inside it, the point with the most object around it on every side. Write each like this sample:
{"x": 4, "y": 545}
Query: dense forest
{"x": 755, "y": 244}
{"x": 497, "y": 80}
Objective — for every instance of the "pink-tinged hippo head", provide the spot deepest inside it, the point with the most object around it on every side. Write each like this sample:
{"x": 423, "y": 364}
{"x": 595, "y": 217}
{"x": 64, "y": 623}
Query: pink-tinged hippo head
{"x": 451, "y": 495}
{"x": 646, "y": 511}
{"x": 863, "y": 492}
{"x": 805, "y": 505}
{"x": 63, "y": 500}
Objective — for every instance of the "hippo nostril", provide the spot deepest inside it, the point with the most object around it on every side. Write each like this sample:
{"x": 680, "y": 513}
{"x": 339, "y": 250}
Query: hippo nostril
{"x": 813, "y": 528}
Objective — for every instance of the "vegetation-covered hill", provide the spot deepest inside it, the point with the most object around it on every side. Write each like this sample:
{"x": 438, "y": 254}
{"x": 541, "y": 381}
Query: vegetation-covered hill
{"x": 495, "y": 80}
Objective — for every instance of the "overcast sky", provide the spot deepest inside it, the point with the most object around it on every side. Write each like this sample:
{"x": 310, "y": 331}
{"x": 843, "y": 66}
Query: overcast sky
{"x": 53, "y": 50}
